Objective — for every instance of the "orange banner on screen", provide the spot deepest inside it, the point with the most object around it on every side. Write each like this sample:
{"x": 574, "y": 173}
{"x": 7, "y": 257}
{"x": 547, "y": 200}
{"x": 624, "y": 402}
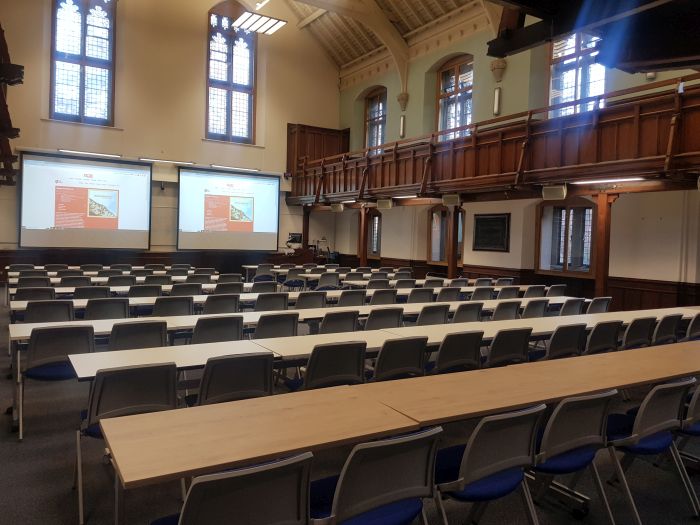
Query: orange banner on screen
{"x": 225, "y": 213}
{"x": 88, "y": 208}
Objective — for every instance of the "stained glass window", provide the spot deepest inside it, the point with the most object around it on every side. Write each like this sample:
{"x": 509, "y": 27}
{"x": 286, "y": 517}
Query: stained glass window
{"x": 231, "y": 81}
{"x": 455, "y": 85}
{"x": 83, "y": 61}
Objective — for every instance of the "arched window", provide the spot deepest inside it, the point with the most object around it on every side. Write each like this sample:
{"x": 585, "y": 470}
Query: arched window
{"x": 230, "y": 77}
{"x": 375, "y": 117}
{"x": 82, "y": 61}
{"x": 454, "y": 96}
{"x": 439, "y": 234}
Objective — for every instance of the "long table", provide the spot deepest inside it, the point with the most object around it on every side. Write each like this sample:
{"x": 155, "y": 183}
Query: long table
{"x": 140, "y": 279}
{"x": 95, "y": 274}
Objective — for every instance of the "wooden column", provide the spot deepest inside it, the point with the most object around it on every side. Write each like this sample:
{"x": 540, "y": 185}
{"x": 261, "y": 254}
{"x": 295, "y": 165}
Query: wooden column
{"x": 604, "y": 203}
{"x": 362, "y": 237}
{"x": 305, "y": 227}
{"x": 452, "y": 243}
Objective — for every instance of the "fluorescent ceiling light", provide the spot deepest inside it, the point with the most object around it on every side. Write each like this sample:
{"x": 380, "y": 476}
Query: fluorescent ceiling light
{"x": 218, "y": 166}
{"x": 278, "y": 25}
{"x": 251, "y": 20}
{"x": 163, "y": 161}
{"x": 76, "y": 152}
{"x": 347, "y": 202}
{"x": 608, "y": 181}
{"x": 258, "y": 23}
{"x": 267, "y": 25}
{"x": 241, "y": 19}
{"x": 406, "y": 197}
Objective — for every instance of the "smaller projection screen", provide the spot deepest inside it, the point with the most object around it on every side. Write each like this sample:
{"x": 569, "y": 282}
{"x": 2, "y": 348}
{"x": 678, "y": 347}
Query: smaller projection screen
{"x": 227, "y": 211}
{"x": 69, "y": 202}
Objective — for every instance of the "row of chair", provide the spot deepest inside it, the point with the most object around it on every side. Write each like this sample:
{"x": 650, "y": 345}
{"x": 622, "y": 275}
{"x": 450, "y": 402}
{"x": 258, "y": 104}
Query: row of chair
{"x": 98, "y": 267}
{"x": 124, "y": 280}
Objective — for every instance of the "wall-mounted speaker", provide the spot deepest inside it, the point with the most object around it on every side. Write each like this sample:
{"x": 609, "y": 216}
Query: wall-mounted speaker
{"x": 451, "y": 200}
{"x": 554, "y": 193}
{"x": 385, "y": 204}
{"x": 337, "y": 207}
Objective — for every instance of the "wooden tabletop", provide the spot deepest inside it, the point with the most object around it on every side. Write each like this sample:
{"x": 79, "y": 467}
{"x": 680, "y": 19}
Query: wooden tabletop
{"x": 151, "y": 448}
{"x": 301, "y": 346}
{"x": 121, "y": 290}
{"x": 94, "y": 274}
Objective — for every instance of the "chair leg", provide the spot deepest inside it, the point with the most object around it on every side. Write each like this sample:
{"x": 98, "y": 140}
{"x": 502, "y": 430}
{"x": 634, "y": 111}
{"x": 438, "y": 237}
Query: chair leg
{"x": 625, "y": 487}
{"x": 20, "y": 406}
{"x": 79, "y": 477}
{"x": 423, "y": 516}
{"x": 440, "y": 507}
{"x": 685, "y": 479}
{"x": 529, "y": 505}
{"x": 601, "y": 492}
{"x": 183, "y": 489}
{"x": 544, "y": 487}
{"x": 478, "y": 511}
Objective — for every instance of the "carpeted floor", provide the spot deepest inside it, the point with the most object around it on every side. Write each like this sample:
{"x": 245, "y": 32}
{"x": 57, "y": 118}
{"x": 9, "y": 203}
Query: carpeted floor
{"x": 36, "y": 475}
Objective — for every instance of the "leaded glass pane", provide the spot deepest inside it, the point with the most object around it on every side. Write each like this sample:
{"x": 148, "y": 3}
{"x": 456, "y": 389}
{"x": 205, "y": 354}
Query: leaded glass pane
{"x": 97, "y": 41}
{"x": 67, "y": 88}
{"x": 217, "y": 111}
{"x": 218, "y": 58}
{"x": 96, "y": 93}
{"x": 68, "y": 28}
{"x": 241, "y": 63}
{"x": 240, "y": 114}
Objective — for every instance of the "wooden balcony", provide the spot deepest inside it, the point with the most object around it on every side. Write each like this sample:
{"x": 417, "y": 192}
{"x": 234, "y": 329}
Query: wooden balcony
{"x": 651, "y": 130}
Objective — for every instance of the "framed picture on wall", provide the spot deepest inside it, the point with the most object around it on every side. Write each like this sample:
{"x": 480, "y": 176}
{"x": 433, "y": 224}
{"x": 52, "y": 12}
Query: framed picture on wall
{"x": 491, "y": 232}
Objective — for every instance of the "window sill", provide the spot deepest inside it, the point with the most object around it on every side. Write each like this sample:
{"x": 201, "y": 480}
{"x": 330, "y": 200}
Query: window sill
{"x": 576, "y": 275}
{"x": 242, "y": 144}
{"x": 70, "y": 123}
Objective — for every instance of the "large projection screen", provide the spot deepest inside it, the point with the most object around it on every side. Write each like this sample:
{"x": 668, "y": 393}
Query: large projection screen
{"x": 227, "y": 211}
{"x": 70, "y": 202}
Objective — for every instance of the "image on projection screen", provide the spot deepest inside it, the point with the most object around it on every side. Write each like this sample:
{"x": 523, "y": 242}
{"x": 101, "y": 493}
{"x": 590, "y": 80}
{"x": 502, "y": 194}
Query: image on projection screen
{"x": 226, "y": 211}
{"x": 74, "y": 203}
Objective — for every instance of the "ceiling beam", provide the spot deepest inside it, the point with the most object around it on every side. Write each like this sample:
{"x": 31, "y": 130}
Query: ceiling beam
{"x": 493, "y": 13}
{"x": 313, "y": 16}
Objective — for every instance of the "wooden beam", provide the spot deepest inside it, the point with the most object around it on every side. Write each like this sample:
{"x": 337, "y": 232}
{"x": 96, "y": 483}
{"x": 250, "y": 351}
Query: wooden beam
{"x": 452, "y": 243}
{"x": 312, "y": 17}
{"x": 604, "y": 203}
{"x": 362, "y": 236}
{"x": 493, "y": 13}
{"x": 305, "y": 227}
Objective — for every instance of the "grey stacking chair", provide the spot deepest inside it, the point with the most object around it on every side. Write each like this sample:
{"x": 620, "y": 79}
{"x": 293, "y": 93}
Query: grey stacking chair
{"x": 535, "y": 308}
{"x": 177, "y": 272}
{"x": 354, "y": 276}
{"x": 383, "y": 318}
{"x": 387, "y": 269}
{"x": 230, "y": 278}
{"x": 155, "y": 267}
{"x": 343, "y": 269}
{"x": 75, "y": 281}
{"x": 420, "y": 295}
{"x": 508, "y": 292}
{"x": 107, "y": 308}
{"x": 693, "y": 331}
{"x": 108, "y": 272}
{"x": 599, "y": 305}
{"x": 335, "y": 322}
{"x": 20, "y": 267}
{"x": 145, "y": 290}
{"x": 403, "y": 276}
{"x": 469, "y": 312}
{"x": 69, "y": 273}
{"x": 395, "y": 473}
{"x": 509, "y": 347}
{"x": 138, "y": 334}
{"x": 377, "y": 284}
{"x": 401, "y": 358}
{"x": 121, "y": 280}
{"x": 49, "y": 311}
{"x": 666, "y": 331}
{"x": 363, "y": 269}
{"x": 556, "y": 290}
{"x": 603, "y": 337}
{"x": 55, "y": 267}
{"x": 577, "y": 425}
{"x": 387, "y": 296}
{"x": 335, "y": 364}
{"x": 433, "y": 283}
{"x": 433, "y": 314}
{"x": 227, "y": 288}
{"x": 181, "y": 266}
{"x": 264, "y": 287}
{"x": 91, "y": 292}
{"x": 265, "y": 268}
{"x": 448, "y": 295}
{"x": 231, "y": 378}
{"x": 638, "y": 333}
{"x": 308, "y": 266}
{"x": 572, "y": 307}
{"x": 328, "y": 280}
{"x": 405, "y": 269}
{"x": 163, "y": 280}
{"x": 566, "y": 341}
{"x": 221, "y": 304}
{"x": 201, "y": 278}
{"x": 293, "y": 279}
{"x": 122, "y": 267}
{"x": 482, "y": 293}
{"x": 272, "y": 302}
{"x": 331, "y": 265}
{"x": 459, "y": 352}
{"x": 534, "y": 290}
{"x": 378, "y": 276}
{"x": 277, "y": 325}
{"x": 459, "y": 282}
{"x": 141, "y": 272}
{"x": 47, "y": 293}
{"x": 180, "y": 289}
{"x": 217, "y": 329}
{"x": 405, "y": 283}
{"x": 486, "y": 454}
{"x": 483, "y": 282}
{"x": 286, "y": 266}
{"x": 117, "y": 392}
{"x": 91, "y": 267}
{"x": 504, "y": 281}
{"x": 206, "y": 271}
{"x": 306, "y": 300}
{"x": 33, "y": 273}
{"x": 352, "y": 298}
{"x": 46, "y": 357}
{"x": 33, "y": 282}
{"x": 506, "y": 311}
{"x": 178, "y": 305}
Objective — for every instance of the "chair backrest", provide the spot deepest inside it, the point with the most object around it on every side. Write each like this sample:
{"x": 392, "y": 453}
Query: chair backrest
{"x": 293, "y": 274}
{"x": 230, "y": 278}
{"x": 382, "y": 318}
{"x": 662, "y": 409}
{"x": 385, "y": 296}
{"x": 308, "y": 265}
{"x": 230, "y": 378}
{"x": 217, "y": 329}
{"x": 122, "y": 267}
{"x": 433, "y": 314}
{"x": 638, "y": 333}
{"x": 138, "y": 334}
{"x": 155, "y": 267}
{"x": 108, "y": 272}
{"x": 264, "y": 287}
{"x": 482, "y": 293}
{"x": 181, "y": 266}
{"x": 91, "y": 267}
{"x": 576, "y": 422}
{"x": 420, "y": 295}
{"x": 33, "y": 273}
{"x": 508, "y": 292}
{"x": 556, "y": 290}
{"x": 534, "y": 290}
{"x": 201, "y": 278}
{"x": 178, "y": 305}
{"x": 272, "y": 302}
{"x": 693, "y": 332}
{"x": 49, "y": 311}
{"x": 378, "y": 276}
{"x": 69, "y": 273}
{"x": 458, "y": 352}
{"x": 343, "y": 269}
{"x": 205, "y": 271}
{"x": 509, "y": 347}
{"x": 180, "y": 289}
{"x": 145, "y": 290}
{"x": 221, "y": 304}
{"x": 406, "y": 269}
{"x": 405, "y": 283}
{"x": 572, "y": 307}
{"x": 603, "y": 337}
{"x": 567, "y": 341}
{"x": 329, "y": 279}
{"x": 501, "y": 442}
{"x": 504, "y": 281}
{"x": 129, "y": 390}
{"x": 107, "y": 308}
{"x": 52, "y": 345}
{"x": 336, "y": 322}
{"x": 179, "y": 272}
{"x": 387, "y": 269}
{"x": 354, "y": 276}
{"x": 506, "y": 311}
{"x": 228, "y": 288}
{"x": 264, "y": 268}
{"x": 352, "y": 298}
{"x": 141, "y": 272}
{"x": 336, "y": 364}
{"x": 55, "y": 267}
{"x": 33, "y": 282}
{"x": 535, "y": 308}
{"x": 666, "y": 330}
{"x": 277, "y": 325}
{"x": 599, "y": 305}
{"x": 121, "y": 280}
{"x": 76, "y": 281}
{"x": 35, "y": 294}
{"x": 158, "y": 279}
{"x": 20, "y": 267}
{"x": 433, "y": 283}
{"x": 215, "y": 498}
{"x": 483, "y": 281}
{"x": 400, "y": 276}
{"x": 383, "y": 472}
{"x": 469, "y": 312}
{"x": 459, "y": 282}
{"x": 264, "y": 277}
{"x": 377, "y": 284}
{"x": 692, "y": 415}
{"x": 91, "y": 292}
{"x": 306, "y": 300}
{"x": 363, "y": 269}
{"x": 448, "y": 294}
{"x": 401, "y": 358}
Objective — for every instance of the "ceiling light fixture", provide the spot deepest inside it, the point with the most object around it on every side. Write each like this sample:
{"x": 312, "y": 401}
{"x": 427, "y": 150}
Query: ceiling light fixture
{"x": 407, "y": 197}
{"x": 347, "y": 202}
{"x": 163, "y": 161}
{"x": 76, "y": 152}
{"x": 608, "y": 181}
{"x": 234, "y": 168}
{"x": 258, "y": 23}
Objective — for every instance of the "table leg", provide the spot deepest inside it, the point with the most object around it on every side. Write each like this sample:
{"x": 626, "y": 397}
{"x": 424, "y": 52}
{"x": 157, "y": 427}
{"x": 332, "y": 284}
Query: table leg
{"x": 14, "y": 350}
